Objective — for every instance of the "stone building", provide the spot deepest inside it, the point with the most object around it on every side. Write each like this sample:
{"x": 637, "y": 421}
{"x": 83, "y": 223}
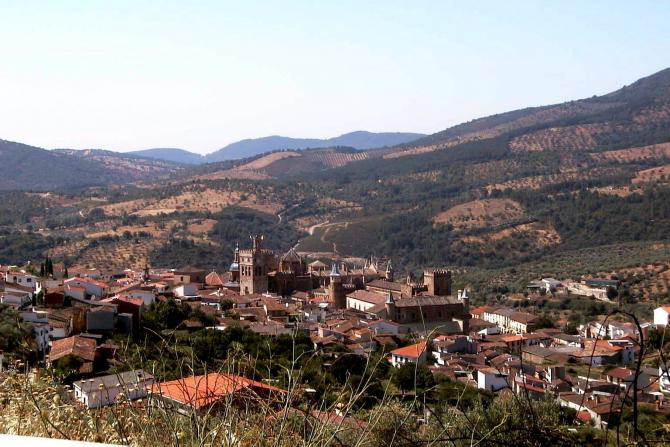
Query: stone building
{"x": 255, "y": 266}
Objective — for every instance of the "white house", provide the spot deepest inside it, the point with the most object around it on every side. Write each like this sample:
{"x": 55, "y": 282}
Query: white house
{"x": 551, "y": 285}
{"x": 661, "y": 315}
{"x": 14, "y": 299}
{"x": 42, "y": 333}
{"x": 148, "y": 296}
{"x": 41, "y": 326}
{"x": 415, "y": 353}
{"x": 490, "y": 379}
{"x": 102, "y": 391}
{"x": 576, "y": 288}
{"x": 365, "y": 300}
{"x": 187, "y": 290}
{"x": 23, "y": 279}
{"x": 382, "y": 326}
{"x": 91, "y": 288}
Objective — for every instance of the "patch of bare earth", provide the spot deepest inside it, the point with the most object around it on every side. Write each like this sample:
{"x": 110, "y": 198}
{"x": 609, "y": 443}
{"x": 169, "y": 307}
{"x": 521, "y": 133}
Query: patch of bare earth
{"x": 201, "y": 226}
{"x": 653, "y": 279}
{"x": 236, "y": 173}
{"x": 619, "y": 191}
{"x": 267, "y": 160}
{"x": 659, "y": 174}
{"x": 652, "y": 152}
{"x": 542, "y": 235}
{"x": 480, "y": 213}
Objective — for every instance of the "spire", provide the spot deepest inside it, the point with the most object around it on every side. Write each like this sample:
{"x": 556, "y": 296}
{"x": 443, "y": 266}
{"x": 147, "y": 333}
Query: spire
{"x": 389, "y": 271}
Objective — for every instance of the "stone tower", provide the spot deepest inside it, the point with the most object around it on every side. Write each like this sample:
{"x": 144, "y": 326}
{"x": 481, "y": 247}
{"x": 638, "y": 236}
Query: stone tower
{"x": 335, "y": 289}
{"x": 235, "y": 265}
{"x": 255, "y": 264}
{"x": 389, "y": 271}
{"x": 390, "y": 307}
{"x": 437, "y": 282}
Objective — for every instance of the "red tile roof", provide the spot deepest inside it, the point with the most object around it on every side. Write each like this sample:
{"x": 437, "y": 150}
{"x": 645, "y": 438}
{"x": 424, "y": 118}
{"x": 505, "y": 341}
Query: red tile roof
{"x": 479, "y": 310}
{"x": 411, "y": 351}
{"x": 78, "y": 346}
{"x": 621, "y": 373}
{"x": 511, "y": 338}
{"x": 214, "y": 279}
{"x": 201, "y": 391}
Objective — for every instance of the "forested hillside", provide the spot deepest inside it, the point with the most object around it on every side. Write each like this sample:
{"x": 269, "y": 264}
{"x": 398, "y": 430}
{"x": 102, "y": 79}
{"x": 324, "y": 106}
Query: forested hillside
{"x": 496, "y": 192}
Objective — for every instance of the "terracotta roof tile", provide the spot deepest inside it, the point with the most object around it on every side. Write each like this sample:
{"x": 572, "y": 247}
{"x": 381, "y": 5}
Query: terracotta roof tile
{"x": 201, "y": 391}
{"x": 411, "y": 351}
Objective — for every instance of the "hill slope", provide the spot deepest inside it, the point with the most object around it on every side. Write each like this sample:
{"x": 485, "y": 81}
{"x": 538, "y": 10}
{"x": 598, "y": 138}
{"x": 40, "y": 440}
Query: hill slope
{"x": 506, "y": 190}
{"x": 128, "y": 167}
{"x": 26, "y": 167}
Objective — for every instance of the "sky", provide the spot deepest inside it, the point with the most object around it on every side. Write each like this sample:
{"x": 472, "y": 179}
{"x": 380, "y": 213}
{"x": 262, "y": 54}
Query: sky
{"x": 197, "y": 75}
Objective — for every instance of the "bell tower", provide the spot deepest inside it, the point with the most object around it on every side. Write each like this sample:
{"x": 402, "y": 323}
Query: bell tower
{"x": 254, "y": 268}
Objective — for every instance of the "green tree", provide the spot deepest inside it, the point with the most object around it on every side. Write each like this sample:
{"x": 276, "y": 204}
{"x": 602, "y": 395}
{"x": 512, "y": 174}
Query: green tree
{"x": 166, "y": 315}
{"x": 16, "y": 336}
{"x": 413, "y": 377}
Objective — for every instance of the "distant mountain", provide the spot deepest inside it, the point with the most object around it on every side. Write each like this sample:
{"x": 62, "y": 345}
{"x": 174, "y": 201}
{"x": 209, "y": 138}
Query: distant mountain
{"x": 24, "y": 167}
{"x": 171, "y": 154}
{"x": 360, "y": 140}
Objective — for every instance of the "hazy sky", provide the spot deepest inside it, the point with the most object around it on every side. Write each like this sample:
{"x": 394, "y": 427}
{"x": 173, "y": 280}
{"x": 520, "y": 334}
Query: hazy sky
{"x": 197, "y": 75}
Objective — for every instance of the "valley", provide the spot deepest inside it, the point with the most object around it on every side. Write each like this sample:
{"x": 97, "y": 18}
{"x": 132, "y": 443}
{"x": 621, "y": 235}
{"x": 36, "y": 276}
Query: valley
{"x": 518, "y": 187}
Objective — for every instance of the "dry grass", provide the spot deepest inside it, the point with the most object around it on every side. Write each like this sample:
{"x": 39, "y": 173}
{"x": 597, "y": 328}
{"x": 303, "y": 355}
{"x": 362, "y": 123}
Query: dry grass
{"x": 480, "y": 213}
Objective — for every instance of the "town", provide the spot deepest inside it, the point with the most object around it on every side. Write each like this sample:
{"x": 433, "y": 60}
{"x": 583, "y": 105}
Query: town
{"x": 78, "y": 318}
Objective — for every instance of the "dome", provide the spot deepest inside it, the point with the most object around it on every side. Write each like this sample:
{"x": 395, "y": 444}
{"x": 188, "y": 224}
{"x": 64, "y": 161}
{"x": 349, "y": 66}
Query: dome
{"x": 234, "y": 267}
